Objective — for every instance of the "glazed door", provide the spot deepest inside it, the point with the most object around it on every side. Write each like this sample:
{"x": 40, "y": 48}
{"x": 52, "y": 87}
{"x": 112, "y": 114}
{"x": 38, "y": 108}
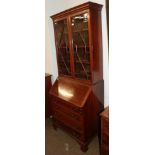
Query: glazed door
{"x": 80, "y": 43}
{"x": 62, "y": 46}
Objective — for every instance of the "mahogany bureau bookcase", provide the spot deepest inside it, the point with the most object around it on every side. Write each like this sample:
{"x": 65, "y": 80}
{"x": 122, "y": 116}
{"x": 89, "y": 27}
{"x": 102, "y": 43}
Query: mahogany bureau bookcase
{"x": 78, "y": 93}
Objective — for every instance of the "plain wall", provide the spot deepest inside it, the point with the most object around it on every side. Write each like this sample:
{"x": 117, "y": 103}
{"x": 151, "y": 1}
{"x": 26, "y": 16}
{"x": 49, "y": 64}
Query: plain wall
{"x": 53, "y": 7}
{"x": 48, "y": 54}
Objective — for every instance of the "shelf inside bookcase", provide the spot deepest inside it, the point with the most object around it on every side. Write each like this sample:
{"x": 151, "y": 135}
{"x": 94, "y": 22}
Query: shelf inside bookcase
{"x": 81, "y": 46}
{"x": 83, "y": 61}
{"x": 80, "y": 30}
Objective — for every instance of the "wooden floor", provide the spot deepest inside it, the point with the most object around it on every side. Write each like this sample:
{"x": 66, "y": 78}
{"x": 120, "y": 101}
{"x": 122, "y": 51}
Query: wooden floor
{"x": 60, "y": 143}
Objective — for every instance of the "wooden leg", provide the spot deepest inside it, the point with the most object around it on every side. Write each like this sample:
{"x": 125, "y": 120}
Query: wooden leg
{"x": 84, "y": 147}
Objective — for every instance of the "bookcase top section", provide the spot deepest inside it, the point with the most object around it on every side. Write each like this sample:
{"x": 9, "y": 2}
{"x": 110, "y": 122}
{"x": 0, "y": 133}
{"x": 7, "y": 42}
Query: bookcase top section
{"x": 84, "y": 6}
{"x": 71, "y": 91}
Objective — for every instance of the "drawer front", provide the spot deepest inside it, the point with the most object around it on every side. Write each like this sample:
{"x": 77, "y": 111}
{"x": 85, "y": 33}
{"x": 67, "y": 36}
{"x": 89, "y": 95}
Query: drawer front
{"x": 68, "y": 121}
{"x": 69, "y": 130}
{"x": 67, "y": 111}
{"x": 64, "y": 105}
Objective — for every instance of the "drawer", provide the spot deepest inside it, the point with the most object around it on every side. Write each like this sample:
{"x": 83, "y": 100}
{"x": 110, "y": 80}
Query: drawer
{"x": 69, "y": 130}
{"x": 64, "y": 105}
{"x": 68, "y": 121}
{"x": 67, "y": 111}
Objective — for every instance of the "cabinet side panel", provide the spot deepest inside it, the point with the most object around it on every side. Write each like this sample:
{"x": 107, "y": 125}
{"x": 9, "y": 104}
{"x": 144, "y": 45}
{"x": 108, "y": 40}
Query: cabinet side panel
{"x": 96, "y": 30}
{"x": 47, "y": 97}
{"x": 91, "y": 110}
{"x": 98, "y": 93}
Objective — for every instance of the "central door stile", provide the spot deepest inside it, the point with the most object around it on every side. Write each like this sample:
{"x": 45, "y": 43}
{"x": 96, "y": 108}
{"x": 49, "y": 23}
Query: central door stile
{"x": 71, "y": 46}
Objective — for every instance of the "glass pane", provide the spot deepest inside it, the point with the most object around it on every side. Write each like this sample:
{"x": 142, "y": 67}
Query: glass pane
{"x": 62, "y": 47}
{"x": 81, "y": 46}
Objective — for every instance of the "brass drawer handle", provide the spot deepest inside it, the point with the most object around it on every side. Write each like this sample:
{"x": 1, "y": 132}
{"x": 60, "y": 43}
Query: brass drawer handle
{"x": 78, "y": 128}
{"x": 74, "y": 109}
{"x": 75, "y": 117}
{"x": 56, "y": 107}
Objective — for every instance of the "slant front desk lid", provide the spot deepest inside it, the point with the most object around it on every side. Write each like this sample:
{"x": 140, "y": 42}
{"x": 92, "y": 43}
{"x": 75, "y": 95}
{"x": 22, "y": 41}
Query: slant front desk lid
{"x": 71, "y": 91}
